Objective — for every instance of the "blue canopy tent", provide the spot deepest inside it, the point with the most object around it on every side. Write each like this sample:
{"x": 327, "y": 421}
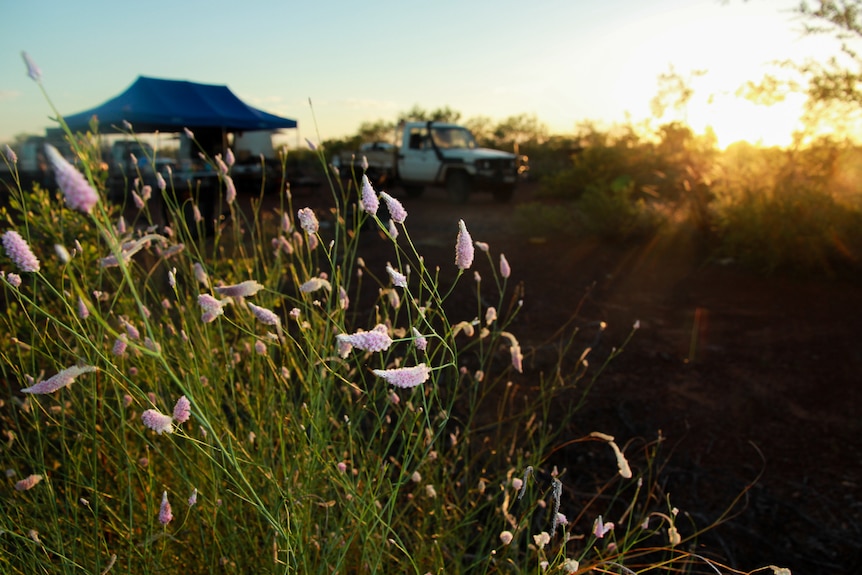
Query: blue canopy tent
{"x": 154, "y": 104}
{"x": 158, "y": 105}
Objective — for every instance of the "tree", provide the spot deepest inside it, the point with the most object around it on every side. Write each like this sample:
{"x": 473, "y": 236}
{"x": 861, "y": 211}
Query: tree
{"x": 419, "y": 114}
{"x": 519, "y": 130}
{"x": 839, "y": 80}
{"x": 674, "y": 92}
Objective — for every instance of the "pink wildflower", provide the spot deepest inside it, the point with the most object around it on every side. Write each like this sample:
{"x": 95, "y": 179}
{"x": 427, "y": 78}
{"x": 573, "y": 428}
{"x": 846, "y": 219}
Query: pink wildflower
{"x": 28, "y": 482}
{"x": 490, "y": 315}
{"x": 222, "y": 167}
{"x": 259, "y": 347}
{"x": 32, "y": 69}
{"x": 212, "y": 308}
{"x": 19, "y": 252}
{"x": 78, "y": 192}
{"x": 396, "y": 209}
{"x": 506, "y": 537}
{"x": 375, "y": 340}
{"x": 139, "y": 201}
{"x": 244, "y": 289}
{"x": 59, "y": 381}
{"x": 182, "y": 410}
{"x": 196, "y": 213}
{"x": 193, "y": 498}
{"x": 343, "y": 347}
{"x": 165, "y": 515}
{"x": 201, "y": 274}
{"x": 13, "y": 279}
{"x": 160, "y": 181}
{"x": 419, "y": 340}
{"x": 315, "y": 284}
{"x": 10, "y": 154}
{"x": 370, "y": 203}
{"x": 263, "y": 315}
{"x": 600, "y": 528}
{"x": 505, "y": 269}
{"x": 483, "y": 247}
{"x": 398, "y": 279}
{"x": 541, "y": 539}
{"x": 83, "y": 310}
{"x": 343, "y": 299}
{"x": 189, "y": 134}
{"x": 120, "y": 345}
{"x": 393, "y": 230}
{"x": 463, "y": 247}
{"x": 229, "y": 158}
{"x": 405, "y": 376}
{"x": 131, "y": 330}
{"x": 62, "y": 253}
{"x": 157, "y": 421}
{"x": 230, "y": 190}
{"x": 308, "y": 221}
{"x": 173, "y": 250}
{"x": 146, "y": 193}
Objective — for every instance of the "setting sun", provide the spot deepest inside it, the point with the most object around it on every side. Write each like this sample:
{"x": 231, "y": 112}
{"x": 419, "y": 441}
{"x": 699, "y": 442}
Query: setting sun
{"x": 733, "y": 119}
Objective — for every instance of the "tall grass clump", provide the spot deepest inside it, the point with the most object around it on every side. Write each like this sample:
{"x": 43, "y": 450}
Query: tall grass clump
{"x": 259, "y": 400}
{"x": 789, "y": 210}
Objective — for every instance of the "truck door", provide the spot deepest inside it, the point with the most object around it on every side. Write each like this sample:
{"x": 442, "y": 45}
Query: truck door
{"x": 417, "y": 161}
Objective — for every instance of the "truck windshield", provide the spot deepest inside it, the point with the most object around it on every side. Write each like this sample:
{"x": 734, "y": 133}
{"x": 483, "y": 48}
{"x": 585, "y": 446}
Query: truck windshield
{"x": 454, "y": 137}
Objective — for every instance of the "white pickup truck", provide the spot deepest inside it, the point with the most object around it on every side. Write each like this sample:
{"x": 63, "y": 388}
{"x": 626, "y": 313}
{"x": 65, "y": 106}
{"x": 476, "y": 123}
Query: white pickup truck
{"x": 437, "y": 154}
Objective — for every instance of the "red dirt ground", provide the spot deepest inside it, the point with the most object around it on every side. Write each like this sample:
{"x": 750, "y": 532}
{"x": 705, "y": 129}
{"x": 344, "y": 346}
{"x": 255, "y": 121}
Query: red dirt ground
{"x": 724, "y": 360}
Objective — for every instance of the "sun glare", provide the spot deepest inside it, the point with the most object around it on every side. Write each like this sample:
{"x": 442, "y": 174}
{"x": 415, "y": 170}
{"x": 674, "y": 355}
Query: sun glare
{"x": 733, "y": 119}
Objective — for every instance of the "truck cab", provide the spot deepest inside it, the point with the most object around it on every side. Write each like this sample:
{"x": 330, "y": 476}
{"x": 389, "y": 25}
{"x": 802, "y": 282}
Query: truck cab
{"x": 436, "y": 153}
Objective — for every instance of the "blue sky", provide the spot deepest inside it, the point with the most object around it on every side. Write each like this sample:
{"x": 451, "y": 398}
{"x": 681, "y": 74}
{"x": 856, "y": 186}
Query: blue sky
{"x": 565, "y": 61}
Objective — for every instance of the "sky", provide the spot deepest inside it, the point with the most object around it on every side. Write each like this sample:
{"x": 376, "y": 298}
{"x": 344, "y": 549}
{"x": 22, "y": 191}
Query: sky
{"x": 565, "y": 61}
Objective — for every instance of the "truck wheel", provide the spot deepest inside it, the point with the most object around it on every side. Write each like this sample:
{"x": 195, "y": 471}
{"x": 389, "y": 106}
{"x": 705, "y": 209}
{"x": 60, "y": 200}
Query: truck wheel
{"x": 504, "y": 195}
{"x": 458, "y": 186}
{"x": 413, "y": 191}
